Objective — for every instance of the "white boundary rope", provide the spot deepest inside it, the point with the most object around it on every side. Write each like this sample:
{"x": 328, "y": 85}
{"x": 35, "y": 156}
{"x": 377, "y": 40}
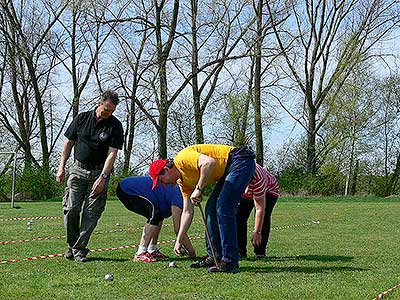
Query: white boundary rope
{"x": 95, "y": 250}
{"x": 33, "y": 218}
{"x": 383, "y": 294}
{"x": 63, "y": 236}
{"x": 294, "y": 225}
{"x": 129, "y": 229}
{"x": 112, "y": 248}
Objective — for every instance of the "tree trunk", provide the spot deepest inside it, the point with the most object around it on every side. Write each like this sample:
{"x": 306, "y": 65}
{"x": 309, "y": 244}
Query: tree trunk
{"x": 351, "y": 162}
{"x": 257, "y": 88}
{"x": 162, "y": 134}
{"x": 162, "y": 56}
{"x": 311, "y": 165}
{"x": 249, "y": 97}
{"x": 40, "y": 112}
{"x": 354, "y": 179}
{"x": 198, "y": 116}
{"x": 129, "y": 135}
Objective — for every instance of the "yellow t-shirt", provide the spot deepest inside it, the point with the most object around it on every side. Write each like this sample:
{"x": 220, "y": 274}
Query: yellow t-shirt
{"x": 186, "y": 162}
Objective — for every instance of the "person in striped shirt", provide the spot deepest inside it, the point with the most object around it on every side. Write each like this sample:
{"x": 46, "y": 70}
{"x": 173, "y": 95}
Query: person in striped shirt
{"x": 261, "y": 193}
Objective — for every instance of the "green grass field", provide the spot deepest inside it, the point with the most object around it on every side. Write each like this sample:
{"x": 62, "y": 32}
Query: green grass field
{"x": 353, "y": 253}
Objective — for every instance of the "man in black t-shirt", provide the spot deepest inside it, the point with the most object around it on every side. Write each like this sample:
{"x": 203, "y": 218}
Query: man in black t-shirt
{"x": 96, "y": 137}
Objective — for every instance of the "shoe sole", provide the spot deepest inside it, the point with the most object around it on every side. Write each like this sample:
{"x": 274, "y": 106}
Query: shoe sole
{"x": 141, "y": 261}
{"x": 145, "y": 262}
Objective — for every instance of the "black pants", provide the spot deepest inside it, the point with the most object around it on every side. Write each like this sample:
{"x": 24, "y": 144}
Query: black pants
{"x": 244, "y": 209}
{"x": 140, "y": 205}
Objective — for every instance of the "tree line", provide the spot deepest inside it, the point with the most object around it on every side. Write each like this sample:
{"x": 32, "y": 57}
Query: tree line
{"x": 216, "y": 71}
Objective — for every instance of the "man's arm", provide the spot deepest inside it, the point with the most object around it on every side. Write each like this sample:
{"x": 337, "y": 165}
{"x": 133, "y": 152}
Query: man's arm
{"x": 98, "y": 185}
{"x": 206, "y": 166}
{"x": 65, "y": 153}
{"x": 186, "y": 221}
{"x": 259, "y": 203}
{"x": 176, "y": 218}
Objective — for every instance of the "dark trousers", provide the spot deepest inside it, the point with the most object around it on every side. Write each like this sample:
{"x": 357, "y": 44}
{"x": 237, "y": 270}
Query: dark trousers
{"x": 243, "y": 213}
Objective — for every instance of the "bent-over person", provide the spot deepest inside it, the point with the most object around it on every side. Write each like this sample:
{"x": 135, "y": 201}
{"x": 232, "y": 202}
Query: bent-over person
{"x": 196, "y": 167}
{"x": 261, "y": 193}
{"x": 137, "y": 195}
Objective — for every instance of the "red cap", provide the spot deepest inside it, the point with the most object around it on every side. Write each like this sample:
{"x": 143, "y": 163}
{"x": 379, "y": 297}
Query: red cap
{"x": 155, "y": 169}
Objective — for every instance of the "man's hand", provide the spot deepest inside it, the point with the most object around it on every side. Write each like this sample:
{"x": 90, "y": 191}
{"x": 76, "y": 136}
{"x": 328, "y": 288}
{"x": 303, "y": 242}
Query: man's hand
{"x": 256, "y": 239}
{"x": 178, "y": 248}
{"x": 98, "y": 187}
{"x": 196, "y": 197}
{"x": 60, "y": 175}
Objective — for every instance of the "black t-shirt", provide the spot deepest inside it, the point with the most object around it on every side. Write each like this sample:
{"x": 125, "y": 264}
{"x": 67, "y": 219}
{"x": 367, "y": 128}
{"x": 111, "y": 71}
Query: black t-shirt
{"x": 93, "y": 138}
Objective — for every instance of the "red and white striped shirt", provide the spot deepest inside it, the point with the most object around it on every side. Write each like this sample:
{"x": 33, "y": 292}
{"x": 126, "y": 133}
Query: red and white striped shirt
{"x": 263, "y": 182}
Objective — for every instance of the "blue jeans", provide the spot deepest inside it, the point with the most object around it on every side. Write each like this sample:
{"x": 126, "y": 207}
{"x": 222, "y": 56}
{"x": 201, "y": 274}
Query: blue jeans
{"x": 221, "y": 208}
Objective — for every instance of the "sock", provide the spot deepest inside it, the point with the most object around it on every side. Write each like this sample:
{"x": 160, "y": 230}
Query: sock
{"x": 152, "y": 248}
{"x": 141, "y": 249}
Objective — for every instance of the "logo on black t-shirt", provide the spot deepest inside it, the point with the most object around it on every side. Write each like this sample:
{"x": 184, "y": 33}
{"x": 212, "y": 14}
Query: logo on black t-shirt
{"x": 103, "y": 136}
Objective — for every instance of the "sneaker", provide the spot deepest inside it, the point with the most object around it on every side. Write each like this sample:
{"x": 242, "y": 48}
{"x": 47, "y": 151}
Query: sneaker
{"x": 158, "y": 255}
{"x": 81, "y": 258}
{"x": 68, "y": 254}
{"x": 144, "y": 257}
{"x": 225, "y": 267}
{"x": 205, "y": 262}
{"x": 260, "y": 256}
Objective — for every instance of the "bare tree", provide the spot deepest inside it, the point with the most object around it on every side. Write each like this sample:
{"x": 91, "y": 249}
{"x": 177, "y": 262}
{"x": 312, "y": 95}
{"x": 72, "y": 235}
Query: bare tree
{"x": 257, "y": 82}
{"x": 84, "y": 34}
{"x": 27, "y": 33}
{"x": 131, "y": 62}
{"x": 321, "y": 42}
{"x": 215, "y": 34}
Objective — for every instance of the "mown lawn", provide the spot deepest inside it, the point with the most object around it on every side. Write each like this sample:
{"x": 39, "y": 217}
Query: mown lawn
{"x": 353, "y": 253}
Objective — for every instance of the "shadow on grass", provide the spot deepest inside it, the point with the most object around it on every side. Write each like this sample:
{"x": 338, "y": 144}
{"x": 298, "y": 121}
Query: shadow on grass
{"x": 298, "y": 269}
{"x": 323, "y": 258}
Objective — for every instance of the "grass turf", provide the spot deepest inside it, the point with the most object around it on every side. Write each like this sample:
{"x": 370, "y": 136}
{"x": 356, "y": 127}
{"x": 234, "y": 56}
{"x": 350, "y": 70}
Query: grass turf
{"x": 351, "y": 254}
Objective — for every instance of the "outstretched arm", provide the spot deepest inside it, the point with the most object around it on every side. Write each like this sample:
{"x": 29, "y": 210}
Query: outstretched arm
{"x": 176, "y": 217}
{"x": 185, "y": 222}
{"x": 259, "y": 203}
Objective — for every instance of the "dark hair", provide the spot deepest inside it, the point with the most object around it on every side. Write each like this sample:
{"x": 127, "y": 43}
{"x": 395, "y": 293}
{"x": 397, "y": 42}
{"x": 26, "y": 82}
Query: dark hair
{"x": 110, "y": 95}
{"x": 169, "y": 165}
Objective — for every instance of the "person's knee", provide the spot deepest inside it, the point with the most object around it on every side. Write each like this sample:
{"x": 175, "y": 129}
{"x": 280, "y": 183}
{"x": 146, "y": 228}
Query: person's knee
{"x": 93, "y": 214}
{"x": 156, "y": 220}
{"x": 71, "y": 213}
{"x": 95, "y": 211}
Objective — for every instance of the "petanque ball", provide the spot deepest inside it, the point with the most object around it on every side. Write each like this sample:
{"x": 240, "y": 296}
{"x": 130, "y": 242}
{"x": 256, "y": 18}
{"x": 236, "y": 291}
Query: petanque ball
{"x": 172, "y": 264}
{"x": 109, "y": 277}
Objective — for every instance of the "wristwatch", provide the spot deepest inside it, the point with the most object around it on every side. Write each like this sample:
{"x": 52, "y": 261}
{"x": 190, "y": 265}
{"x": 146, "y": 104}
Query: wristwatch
{"x": 104, "y": 176}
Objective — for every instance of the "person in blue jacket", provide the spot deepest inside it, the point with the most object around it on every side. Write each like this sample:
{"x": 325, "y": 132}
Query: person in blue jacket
{"x": 164, "y": 201}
